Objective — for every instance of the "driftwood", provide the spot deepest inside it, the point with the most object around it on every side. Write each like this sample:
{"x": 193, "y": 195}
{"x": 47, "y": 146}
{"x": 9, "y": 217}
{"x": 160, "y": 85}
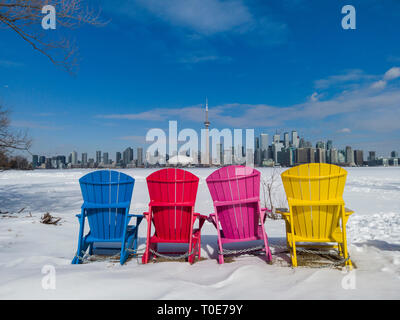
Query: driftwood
{"x": 47, "y": 218}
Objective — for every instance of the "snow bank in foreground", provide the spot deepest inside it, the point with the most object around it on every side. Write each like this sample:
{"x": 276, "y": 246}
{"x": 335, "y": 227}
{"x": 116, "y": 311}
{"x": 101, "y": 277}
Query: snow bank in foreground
{"x": 27, "y": 245}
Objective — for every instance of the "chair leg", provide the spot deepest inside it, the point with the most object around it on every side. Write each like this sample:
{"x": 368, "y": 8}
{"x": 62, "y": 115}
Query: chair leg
{"x": 199, "y": 248}
{"x": 345, "y": 255}
{"x": 124, "y": 253}
{"x": 192, "y": 257}
{"x": 294, "y": 255}
{"x": 91, "y": 248}
{"x": 267, "y": 249}
{"x": 145, "y": 258}
{"x": 220, "y": 256}
{"x": 82, "y": 247}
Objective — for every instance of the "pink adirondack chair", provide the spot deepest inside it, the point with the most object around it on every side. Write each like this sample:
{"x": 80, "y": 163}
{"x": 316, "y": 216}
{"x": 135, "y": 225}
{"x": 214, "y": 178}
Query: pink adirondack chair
{"x": 238, "y": 216}
{"x": 171, "y": 211}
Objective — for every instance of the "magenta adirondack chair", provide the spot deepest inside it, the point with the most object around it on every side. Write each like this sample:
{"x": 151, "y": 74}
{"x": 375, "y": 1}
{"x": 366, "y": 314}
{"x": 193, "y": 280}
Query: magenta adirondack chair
{"x": 238, "y": 216}
{"x": 171, "y": 210}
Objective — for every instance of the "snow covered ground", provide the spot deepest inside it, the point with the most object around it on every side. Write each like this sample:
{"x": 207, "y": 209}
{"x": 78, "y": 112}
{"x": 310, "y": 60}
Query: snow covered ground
{"x": 26, "y": 246}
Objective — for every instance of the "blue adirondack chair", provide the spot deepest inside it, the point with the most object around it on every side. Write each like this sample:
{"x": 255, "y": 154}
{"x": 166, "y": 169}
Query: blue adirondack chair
{"x": 107, "y": 197}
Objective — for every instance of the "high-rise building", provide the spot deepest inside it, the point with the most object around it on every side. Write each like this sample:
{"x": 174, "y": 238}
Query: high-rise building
{"x": 295, "y": 139}
{"x": 42, "y": 159}
{"x": 320, "y": 155}
{"x": 276, "y": 147}
{"x": 105, "y": 158}
{"x": 320, "y": 145}
{"x": 341, "y": 156}
{"x": 118, "y": 157}
{"x": 305, "y": 155}
{"x": 84, "y": 159}
{"x": 358, "y": 157}
{"x": 206, "y": 155}
{"x": 35, "y": 161}
{"x": 333, "y": 156}
{"x": 349, "y": 155}
{"x": 371, "y": 156}
{"x": 98, "y": 157}
{"x": 394, "y": 154}
{"x": 74, "y": 157}
{"x": 286, "y": 141}
{"x": 264, "y": 146}
{"x": 139, "y": 153}
{"x": 127, "y": 156}
{"x": 286, "y": 157}
{"x": 329, "y": 145}
{"x": 276, "y": 138}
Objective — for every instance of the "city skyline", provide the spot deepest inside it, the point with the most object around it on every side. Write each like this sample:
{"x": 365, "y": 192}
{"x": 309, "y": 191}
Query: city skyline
{"x": 261, "y": 66}
{"x": 289, "y": 151}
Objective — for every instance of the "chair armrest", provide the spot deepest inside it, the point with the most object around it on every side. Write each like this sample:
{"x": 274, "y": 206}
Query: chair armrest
{"x": 79, "y": 215}
{"x": 138, "y": 217}
{"x": 146, "y": 215}
{"x": 348, "y": 211}
{"x": 201, "y": 216}
{"x": 202, "y": 219}
{"x": 135, "y": 215}
{"x": 282, "y": 211}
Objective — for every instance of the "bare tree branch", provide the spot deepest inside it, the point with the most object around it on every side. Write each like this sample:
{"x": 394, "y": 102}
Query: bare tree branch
{"x": 24, "y": 17}
{"x": 9, "y": 139}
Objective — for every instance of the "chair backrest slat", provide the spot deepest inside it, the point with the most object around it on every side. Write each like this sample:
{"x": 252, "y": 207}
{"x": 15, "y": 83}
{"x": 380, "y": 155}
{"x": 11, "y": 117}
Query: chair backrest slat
{"x": 315, "y": 182}
{"x": 172, "y": 187}
{"x": 238, "y": 219}
{"x": 106, "y": 187}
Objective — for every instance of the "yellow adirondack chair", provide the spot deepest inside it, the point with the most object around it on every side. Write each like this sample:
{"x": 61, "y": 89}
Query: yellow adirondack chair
{"x": 316, "y": 208}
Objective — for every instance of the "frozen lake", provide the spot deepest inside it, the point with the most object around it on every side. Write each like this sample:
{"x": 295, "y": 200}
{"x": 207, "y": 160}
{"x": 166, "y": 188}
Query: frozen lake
{"x": 26, "y": 246}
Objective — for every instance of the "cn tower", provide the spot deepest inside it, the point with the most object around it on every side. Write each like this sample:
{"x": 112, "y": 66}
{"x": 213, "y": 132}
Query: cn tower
{"x": 206, "y": 159}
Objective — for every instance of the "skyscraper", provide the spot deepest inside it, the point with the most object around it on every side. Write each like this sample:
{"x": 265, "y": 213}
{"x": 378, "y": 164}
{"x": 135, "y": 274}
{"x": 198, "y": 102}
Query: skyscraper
{"x": 295, "y": 139}
{"x": 35, "y": 161}
{"x": 286, "y": 141}
{"x": 84, "y": 159}
{"x": 127, "y": 156}
{"x": 139, "y": 152}
{"x": 118, "y": 157}
{"x": 358, "y": 157}
{"x": 349, "y": 156}
{"x": 74, "y": 157}
{"x": 372, "y": 156}
{"x": 206, "y": 159}
{"x": 98, "y": 157}
{"x": 105, "y": 158}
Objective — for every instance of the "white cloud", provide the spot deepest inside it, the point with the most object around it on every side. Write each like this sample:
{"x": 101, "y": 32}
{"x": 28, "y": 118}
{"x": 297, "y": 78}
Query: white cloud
{"x": 203, "y": 16}
{"x": 315, "y": 96}
{"x": 392, "y": 74}
{"x": 10, "y": 64}
{"x": 354, "y": 75}
{"x": 355, "y": 109}
{"x": 199, "y": 58}
{"x": 344, "y": 130}
{"x": 379, "y": 84}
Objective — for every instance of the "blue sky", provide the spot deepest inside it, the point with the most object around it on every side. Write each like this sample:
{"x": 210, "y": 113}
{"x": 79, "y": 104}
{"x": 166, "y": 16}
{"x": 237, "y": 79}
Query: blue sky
{"x": 268, "y": 65}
